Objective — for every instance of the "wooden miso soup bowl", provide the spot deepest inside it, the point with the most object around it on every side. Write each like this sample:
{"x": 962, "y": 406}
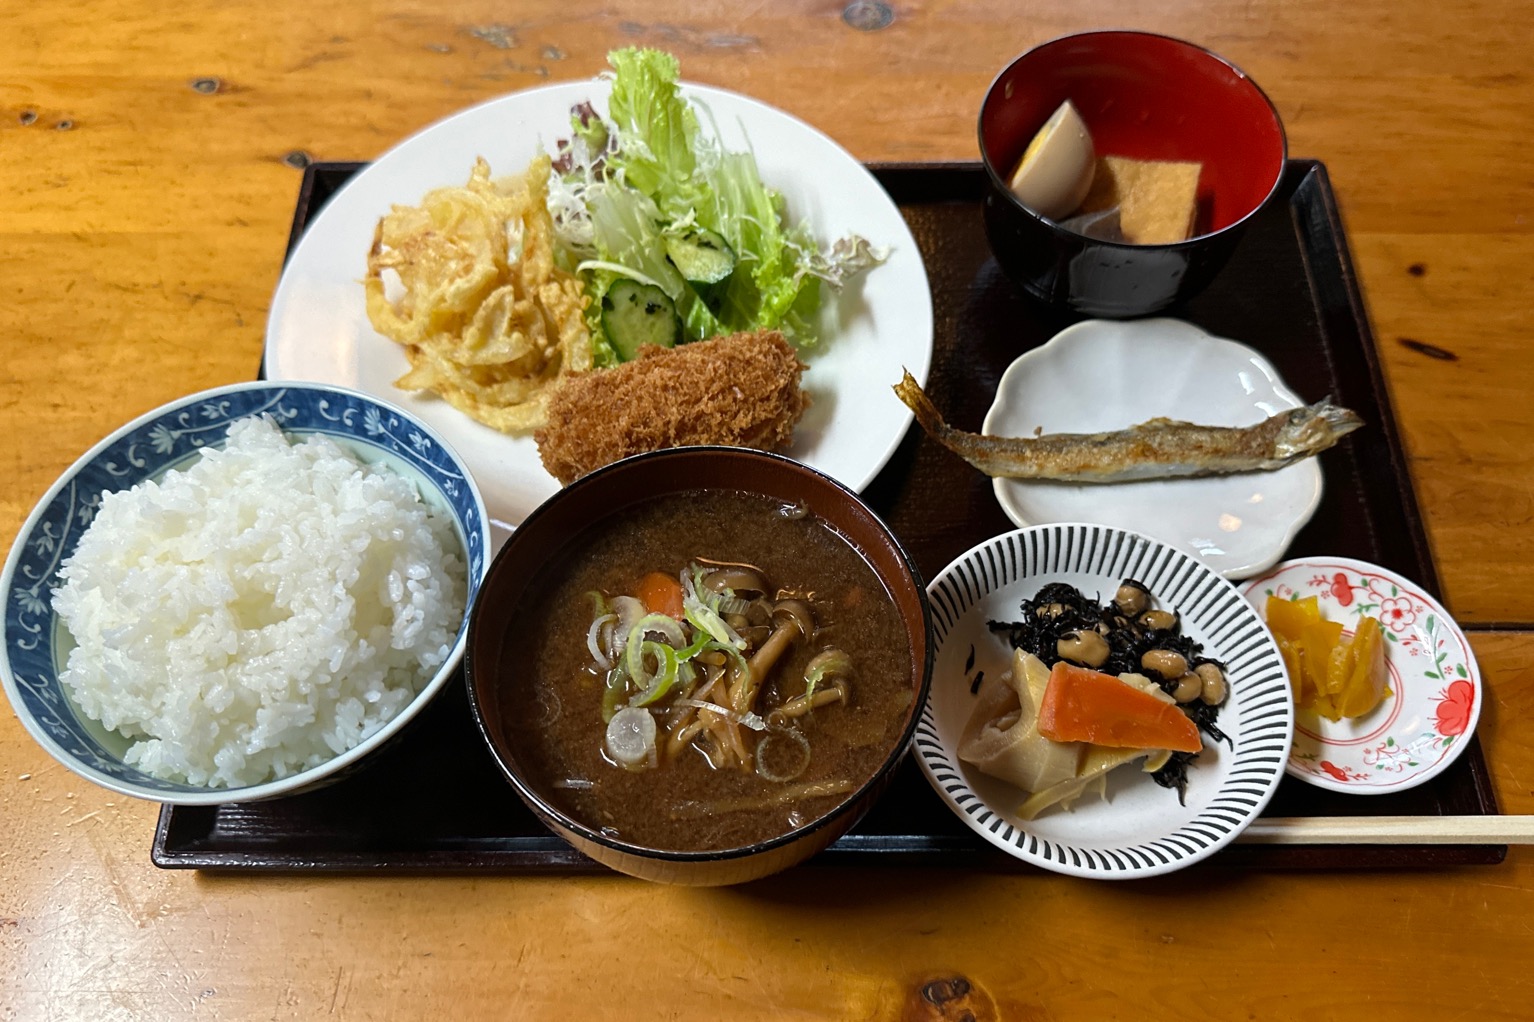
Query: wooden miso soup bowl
{"x": 600, "y": 501}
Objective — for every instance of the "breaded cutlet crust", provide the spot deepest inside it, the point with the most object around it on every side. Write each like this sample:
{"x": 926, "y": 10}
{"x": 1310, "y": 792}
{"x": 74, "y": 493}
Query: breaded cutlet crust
{"x": 740, "y": 391}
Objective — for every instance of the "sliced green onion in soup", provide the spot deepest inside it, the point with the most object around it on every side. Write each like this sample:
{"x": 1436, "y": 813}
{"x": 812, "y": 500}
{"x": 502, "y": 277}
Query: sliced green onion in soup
{"x": 705, "y": 619}
{"x": 731, "y": 604}
{"x": 782, "y": 755}
{"x": 630, "y": 738}
{"x": 653, "y": 686}
{"x": 629, "y": 611}
{"x": 831, "y": 663}
{"x": 667, "y": 627}
{"x": 637, "y": 645}
{"x": 615, "y": 691}
{"x": 593, "y": 640}
{"x": 703, "y": 642}
{"x": 692, "y": 583}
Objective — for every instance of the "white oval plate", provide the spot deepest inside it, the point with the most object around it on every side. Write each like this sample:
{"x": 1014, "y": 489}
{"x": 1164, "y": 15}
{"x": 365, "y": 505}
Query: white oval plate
{"x": 1139, "y": 830}
{"x": 318, "y": 328}
{"x": 1102, "y": 375}
{"x": 1435, "y": 685}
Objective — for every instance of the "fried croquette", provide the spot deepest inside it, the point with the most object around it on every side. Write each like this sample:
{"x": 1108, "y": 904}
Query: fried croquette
{"x": 740, "y": 391}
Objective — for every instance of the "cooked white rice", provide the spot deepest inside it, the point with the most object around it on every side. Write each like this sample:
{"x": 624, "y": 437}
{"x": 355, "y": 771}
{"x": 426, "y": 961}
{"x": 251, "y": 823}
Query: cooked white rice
{"x": 258, "y": 612}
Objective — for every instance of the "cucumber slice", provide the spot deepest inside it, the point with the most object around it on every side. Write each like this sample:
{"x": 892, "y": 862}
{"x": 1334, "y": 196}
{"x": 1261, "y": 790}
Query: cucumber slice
{"x": 702, "y": 257}
{"x": 634, "y": 314}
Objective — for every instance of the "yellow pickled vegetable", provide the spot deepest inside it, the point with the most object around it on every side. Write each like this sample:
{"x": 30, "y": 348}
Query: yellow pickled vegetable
{"x": 1320, "y": 639}
{"x": 1288, "y": 618}
{"x": 1368, "y": 682}
{"x": 1294, "y": 654}
{"x": 1335, "y": 678}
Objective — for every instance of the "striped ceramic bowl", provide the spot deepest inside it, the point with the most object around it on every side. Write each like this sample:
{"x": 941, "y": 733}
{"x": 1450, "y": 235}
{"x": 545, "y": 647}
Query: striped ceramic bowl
{"x": 1139, "y": 829}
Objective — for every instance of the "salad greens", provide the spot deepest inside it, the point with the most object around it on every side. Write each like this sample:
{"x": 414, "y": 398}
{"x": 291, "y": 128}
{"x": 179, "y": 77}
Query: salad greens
{"x": 651, "y": 196}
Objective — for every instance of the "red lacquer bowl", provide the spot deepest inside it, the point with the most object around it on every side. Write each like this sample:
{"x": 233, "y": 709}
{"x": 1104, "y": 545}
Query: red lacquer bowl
{"x": 1144, "y": 96}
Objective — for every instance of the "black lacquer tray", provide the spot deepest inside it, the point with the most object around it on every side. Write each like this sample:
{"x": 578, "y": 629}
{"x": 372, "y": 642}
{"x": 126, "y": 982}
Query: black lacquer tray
{"x": 435, "y": 802}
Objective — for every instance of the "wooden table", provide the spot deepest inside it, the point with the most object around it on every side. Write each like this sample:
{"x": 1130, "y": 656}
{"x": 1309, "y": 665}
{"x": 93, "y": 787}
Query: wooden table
{"x": 149, "y": 163}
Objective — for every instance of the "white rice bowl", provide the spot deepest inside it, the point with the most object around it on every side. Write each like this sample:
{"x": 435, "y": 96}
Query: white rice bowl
{"x": 260, "y": 611}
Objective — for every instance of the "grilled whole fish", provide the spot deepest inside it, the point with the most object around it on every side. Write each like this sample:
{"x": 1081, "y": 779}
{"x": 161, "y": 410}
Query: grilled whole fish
{"x": 1156, "y": 449}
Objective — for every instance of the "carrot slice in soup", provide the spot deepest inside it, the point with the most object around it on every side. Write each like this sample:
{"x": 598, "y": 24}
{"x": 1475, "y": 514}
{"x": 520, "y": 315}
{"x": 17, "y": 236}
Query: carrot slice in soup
{"x": 661, "y": 594}
{"x": 1081, "y": 705}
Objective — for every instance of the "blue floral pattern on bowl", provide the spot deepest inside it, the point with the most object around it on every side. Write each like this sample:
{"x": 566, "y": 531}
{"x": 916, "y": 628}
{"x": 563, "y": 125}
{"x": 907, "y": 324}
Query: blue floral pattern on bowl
{"x": 37, "y": 645}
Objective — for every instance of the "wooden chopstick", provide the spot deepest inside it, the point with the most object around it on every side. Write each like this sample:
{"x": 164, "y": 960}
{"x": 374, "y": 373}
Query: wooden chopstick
{"x": 1390, "y": 830}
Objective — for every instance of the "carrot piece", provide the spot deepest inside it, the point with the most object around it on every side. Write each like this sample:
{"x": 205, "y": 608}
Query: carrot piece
{"x": 1081, "y": 705}
{"x": 661, "y": 594}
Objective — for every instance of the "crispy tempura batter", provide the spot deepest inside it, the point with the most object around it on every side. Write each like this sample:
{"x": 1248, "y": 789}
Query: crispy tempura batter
{"x": 486, "y": 318}
{"x": 741, "y": 390}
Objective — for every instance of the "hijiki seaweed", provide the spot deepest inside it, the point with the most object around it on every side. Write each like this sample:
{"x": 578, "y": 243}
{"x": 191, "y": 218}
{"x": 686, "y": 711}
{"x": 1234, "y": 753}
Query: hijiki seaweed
{"x": 1131, "y": 628}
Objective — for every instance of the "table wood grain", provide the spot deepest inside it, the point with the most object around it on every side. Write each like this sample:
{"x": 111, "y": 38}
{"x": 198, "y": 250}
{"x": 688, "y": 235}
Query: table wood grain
{"x": 148, "y": 161}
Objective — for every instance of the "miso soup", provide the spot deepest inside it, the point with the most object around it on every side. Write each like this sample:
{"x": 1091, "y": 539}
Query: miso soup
{"x": 705, "y": 670}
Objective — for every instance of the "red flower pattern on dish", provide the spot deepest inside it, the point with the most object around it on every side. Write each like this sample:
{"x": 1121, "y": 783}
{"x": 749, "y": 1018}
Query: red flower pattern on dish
{"x": 1454, "y": 709}
{"x": 1334, "y": 770}
{"x": 1341, "y": 590}
{"x": 1398, "y": 613}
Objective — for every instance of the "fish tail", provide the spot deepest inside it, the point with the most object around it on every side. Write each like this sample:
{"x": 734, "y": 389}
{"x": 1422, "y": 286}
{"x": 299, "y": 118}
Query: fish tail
{"x": 910, "y": 392}
{"x": 969, "y": 446}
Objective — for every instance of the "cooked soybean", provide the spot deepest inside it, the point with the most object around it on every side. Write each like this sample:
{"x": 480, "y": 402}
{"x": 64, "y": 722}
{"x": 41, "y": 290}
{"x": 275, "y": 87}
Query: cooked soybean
{"x": 1132, "y": 598}
{"x": 1087, "y": 648}
{"x": 1165, "y": 663}
{"x": 1212, "y": 686}
{"x": 1189, "y": 687}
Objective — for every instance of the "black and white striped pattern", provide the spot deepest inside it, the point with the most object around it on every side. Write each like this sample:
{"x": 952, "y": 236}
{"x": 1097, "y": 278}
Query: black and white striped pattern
{"x": 1259, "y": 715}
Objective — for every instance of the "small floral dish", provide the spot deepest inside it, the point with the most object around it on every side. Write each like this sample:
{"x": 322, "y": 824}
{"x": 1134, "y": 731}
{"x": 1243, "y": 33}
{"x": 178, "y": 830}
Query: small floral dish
{"x": 1101, "y": 375}
{"x": 37, "y": 643}
{"x": 1435, "y": 700}
{"x": 1138, "y": 829}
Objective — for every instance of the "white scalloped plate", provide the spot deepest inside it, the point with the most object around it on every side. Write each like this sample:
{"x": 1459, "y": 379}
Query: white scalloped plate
{"x": 1140, "y": 829}
{"x": 1435, "y": 685}
{"x": 1103, "y": 375}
